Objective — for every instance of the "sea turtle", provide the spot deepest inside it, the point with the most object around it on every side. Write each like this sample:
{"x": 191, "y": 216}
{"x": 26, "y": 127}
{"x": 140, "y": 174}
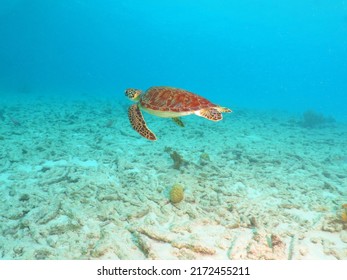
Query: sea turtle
{"x": 169, "y": 102}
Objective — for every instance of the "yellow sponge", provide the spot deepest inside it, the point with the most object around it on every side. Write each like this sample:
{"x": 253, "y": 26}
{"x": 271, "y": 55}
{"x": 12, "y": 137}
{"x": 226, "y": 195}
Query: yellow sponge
{"x": 176, "y": 193}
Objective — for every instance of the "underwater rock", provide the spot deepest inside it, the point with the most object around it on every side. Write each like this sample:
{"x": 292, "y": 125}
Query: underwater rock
{"x": 109, "y": 123}
{"x": 42, "y": 254}
{"x": 52, "y": 241}
{"x": 204, "y": 159}
{"x": 144, "y": 244}
{"x": 266, "y": 247}
{"x": 177, "y": 159}
{"x": 62, "y": 225}
{"x": 155, "y": 234}
{"x": 331, "y": 226}
{"x": 24, "y": 197}
{"x": 195, "y": 247}
{"x": 107, "y": 248}
{"x": 49, "y": 214}
{"x": 185, "y": 254}
{"x": 312, "y": 119}
{"x": 343, "y": 236}
{"x": 18, "y": 251}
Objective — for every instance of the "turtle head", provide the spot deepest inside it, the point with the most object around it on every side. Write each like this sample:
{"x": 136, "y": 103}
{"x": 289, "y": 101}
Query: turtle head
{"x": 133, "y": 94}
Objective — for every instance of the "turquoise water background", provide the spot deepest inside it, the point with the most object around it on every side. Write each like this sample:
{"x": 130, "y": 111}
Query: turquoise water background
{"x": 269, "y": 181}
{"x": 285, "y": 55}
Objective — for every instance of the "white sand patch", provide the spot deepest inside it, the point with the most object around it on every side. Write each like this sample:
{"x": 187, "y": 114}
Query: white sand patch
{"x": 321, "y": 245}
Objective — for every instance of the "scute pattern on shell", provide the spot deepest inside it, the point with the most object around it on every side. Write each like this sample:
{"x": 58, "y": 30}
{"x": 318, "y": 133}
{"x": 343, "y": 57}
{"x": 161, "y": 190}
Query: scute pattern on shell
{"x": 173, "y": 100}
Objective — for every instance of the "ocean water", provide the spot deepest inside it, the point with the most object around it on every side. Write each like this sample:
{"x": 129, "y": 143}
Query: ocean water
{"x": 269, "y": 181}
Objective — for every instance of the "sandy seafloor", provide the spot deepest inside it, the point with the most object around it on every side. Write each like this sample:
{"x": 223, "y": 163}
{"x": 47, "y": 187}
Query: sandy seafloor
{"x": 76, "y": 182}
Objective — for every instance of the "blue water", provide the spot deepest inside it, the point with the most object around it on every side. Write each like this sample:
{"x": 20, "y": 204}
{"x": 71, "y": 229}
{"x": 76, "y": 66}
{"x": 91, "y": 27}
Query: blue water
{"x": 285, "y": 55}
{"x": 267, "y": 182}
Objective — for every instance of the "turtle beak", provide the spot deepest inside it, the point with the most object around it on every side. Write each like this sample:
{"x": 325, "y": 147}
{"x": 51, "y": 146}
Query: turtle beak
{"x": 129, "y": 93}
{"x": 132, "y": 94}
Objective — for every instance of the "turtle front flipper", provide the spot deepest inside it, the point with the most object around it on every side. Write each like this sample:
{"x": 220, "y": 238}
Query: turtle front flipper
{"x": 178, "y": 121}
{"x": 138, "y": 123}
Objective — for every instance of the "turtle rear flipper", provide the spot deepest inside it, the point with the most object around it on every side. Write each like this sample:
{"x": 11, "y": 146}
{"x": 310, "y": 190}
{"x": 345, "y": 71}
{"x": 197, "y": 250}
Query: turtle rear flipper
{"x": 211, "y": 114}
{"x": 138, "y": 123}
{"x": 223, "y": 110}
{"x": 178, "y": 121}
